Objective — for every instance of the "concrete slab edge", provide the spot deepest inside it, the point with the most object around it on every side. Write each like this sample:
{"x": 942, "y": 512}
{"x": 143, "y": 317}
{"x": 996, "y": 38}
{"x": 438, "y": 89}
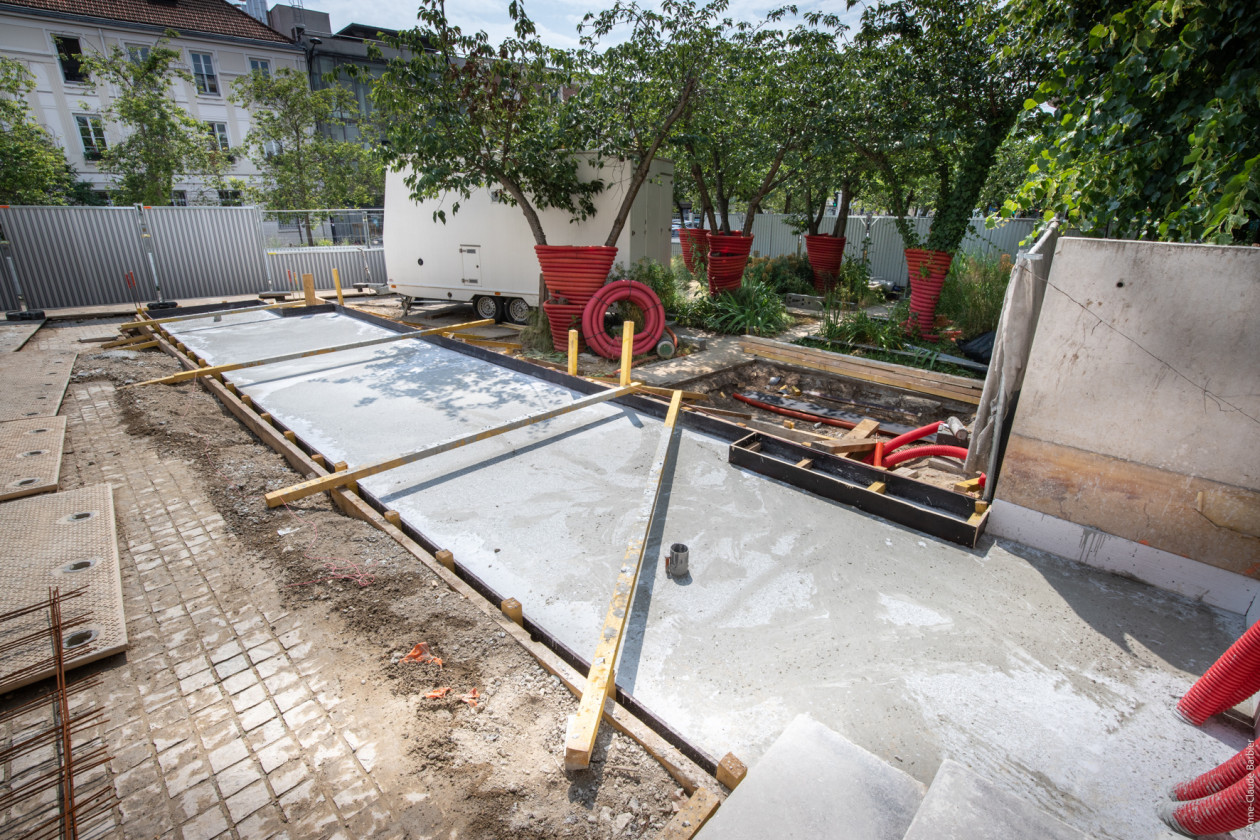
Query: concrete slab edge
{"x": 1217, "y": 587}
{"x": 690, "y": 776}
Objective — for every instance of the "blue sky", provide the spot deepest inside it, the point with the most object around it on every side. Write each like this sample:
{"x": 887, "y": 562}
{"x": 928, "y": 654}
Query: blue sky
{"x": 557, "y": 20}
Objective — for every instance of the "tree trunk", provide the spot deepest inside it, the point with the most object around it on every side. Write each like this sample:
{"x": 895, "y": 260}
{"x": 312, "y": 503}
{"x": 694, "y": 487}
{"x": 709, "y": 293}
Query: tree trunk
{"x": 767, "y": 184}
{"x": 816, "y": 222}
{"x": 787, "y": 204}
{"x": 531, "y": 215}
{"x": 310, "y": 237}
{"x": 645, "y": 165}
{"x": 842, "y": 212}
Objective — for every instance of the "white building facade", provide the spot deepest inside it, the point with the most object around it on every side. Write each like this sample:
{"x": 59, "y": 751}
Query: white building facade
{"x": 218, "y": 44}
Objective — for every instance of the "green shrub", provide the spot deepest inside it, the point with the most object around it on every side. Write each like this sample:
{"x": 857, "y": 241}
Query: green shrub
{"x": 752, "y": 309}
{"x": 536, "y": 337}
{"x": 860, "y": 328}
{"x": 785, "y": 275}
{"x": 973, "y": 293}
{"x": 664, "y": 280}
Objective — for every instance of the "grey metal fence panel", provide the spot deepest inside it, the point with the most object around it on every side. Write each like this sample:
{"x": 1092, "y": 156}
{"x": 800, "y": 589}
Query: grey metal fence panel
{"x": 207, "y": 251}
{"x": 355, "y": 265}
{"x": 74, "y": 256}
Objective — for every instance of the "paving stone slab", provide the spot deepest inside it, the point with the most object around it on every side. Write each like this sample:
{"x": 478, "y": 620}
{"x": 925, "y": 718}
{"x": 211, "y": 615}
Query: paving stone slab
{"x": 963, "y": 805}
{"x": 14, "y": 334}
{"x": 66, "y": 540}
{"x": 33, "y": 383}
{"x": 30, "y": 456}
{"x": 814, "y": 782}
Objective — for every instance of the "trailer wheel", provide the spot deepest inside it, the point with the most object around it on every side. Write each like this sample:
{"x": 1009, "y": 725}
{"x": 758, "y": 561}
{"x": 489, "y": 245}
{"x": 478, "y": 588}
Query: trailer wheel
{"x": 487, "y": 307}
{"x": 516, "y": 311}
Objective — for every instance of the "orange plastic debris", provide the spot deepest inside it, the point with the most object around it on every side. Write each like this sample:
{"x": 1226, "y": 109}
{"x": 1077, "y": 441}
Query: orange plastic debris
{"x": 438, "y": 693}
{"x": 470, "y": 698}
{"x": 420, "y": 653}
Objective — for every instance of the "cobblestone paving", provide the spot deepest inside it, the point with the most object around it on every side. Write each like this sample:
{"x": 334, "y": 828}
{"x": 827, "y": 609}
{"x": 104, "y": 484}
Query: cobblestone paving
{"x": 219, "y": 721}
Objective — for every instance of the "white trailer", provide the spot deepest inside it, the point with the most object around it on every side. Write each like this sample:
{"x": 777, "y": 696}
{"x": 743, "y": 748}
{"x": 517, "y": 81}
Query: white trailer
{"x": 485, "y": 253}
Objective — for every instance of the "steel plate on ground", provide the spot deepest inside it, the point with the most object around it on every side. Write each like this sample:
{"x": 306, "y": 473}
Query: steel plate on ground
{"x": 67, "y": 540}
{"x": 33, "y": 383}
{"x": 14, "y": 335}
{"x": 30, "y": 456}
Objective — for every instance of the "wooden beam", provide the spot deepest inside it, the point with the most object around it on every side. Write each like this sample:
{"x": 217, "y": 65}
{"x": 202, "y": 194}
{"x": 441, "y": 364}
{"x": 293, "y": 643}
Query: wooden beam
{"x": 327, "y": 482}
{"x": 185, "y": 375}
{"x": 691, "y": 817}
{"x": 125, "y": 341}
{"x": 720, "y": 412}
{"x": 731, "y": 771}
{"x": 149, "y": 322}
{"x": 858, "y": 439}
{"x": 970, "y": 485}
{"x": 669, "y": 392}
{"x": 573, "y": 352}
{"x": 627, "y": 351}
{"x": 579, "y": 739}
{"x": 308, "y": 290}
{"x": 341, "y": 301}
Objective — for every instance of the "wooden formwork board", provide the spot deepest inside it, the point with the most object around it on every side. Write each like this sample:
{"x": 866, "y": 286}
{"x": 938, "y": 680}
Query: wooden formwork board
{"x": 33, "y": 383}
{"x": 67, "y": 540}
{"x": 30, "y": 456}
{"x": 14, "y": 334}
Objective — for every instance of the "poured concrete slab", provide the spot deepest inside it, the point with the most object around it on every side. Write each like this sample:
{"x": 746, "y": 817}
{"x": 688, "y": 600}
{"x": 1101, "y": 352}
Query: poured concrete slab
{"x": 33, "y": 383}
{"x": 963, "y": 805}
{"x": 13, "y": 334}
{"x": 64, "y": 540}
{"x": 814, "y": 783}
{"x": 1026, "y": 666}
{"x": 30, "y": 456}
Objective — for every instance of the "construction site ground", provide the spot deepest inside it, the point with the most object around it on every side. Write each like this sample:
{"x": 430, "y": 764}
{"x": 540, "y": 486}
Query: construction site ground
{"x": 263, "y": 693}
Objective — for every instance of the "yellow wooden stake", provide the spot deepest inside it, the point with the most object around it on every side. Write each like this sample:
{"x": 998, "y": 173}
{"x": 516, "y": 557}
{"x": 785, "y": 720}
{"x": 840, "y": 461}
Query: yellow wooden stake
{"x": 702, "y": 805}
{"x": 337, "y": 285}
{"x": 289, "y": 357}
{"x": 573, "y": 352}
{"x": 308, "y": 290}
{"x": 394, "y": 518}
{"x": 447, "y": 559}
{"x": 512, "y": 609}
{"x": 579, "y": 739}
{"x": 327, "y": 482}
{"x": 627, "y": 351}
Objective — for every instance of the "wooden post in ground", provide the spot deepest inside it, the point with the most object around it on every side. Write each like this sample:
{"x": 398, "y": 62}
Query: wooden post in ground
{"x": 627, "y": 351}
{"x": 579, "y": 739}
{"x": 337, "y": 285}
{"x": 573, "y": 352}
{"x": 308, "y": 289}
{"x": 327, "y": 482}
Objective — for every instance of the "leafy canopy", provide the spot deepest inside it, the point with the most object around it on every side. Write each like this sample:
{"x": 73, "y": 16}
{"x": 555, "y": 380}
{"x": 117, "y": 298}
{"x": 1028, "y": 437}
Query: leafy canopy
{"x": 161, "y": 142}
{"x": 462, "y": 114}
{"x": 33, "y": 168}
{"x": 1157, "y": 114}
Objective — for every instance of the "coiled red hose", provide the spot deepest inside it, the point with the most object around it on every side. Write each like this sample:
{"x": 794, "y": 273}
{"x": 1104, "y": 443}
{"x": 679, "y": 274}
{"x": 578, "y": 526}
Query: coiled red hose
{"x": 799, "y": 415}
{"x": 1220, "y": 777}
{"x": 896, "y": 458}
{"x": 1228, "y": 810}
{"x": 1231, "y": 679}
{"x": 641, "y": 296}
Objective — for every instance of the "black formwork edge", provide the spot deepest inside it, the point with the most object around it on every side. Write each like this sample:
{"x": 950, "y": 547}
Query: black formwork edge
{"x": 905, "y": 501}
{"x": 211, "y": 307}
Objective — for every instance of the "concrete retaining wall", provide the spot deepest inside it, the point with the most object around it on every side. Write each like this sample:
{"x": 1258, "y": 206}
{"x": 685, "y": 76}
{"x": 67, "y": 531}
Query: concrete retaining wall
{"x": 1140, "y": 412}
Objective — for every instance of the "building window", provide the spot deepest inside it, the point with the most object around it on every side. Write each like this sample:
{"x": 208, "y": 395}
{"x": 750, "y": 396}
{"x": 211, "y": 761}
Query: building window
{"x": 270, "y": 148}
{"x": 179, "y": 198}
{"x": 230, "y": 198}
{"x": 138, "y": 53}
{"x": 203, "y": 73}
{"x": 218, "y": 136}
{"x": 70, "y": 56}
{"x": 261, "y": 66}
{"x": 103, "y": 198}
{"x": 92, "y": 133}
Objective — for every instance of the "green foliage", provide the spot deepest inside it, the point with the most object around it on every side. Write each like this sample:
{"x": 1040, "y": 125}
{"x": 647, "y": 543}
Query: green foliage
{"x": 160, "y": 142}
{"x": 33, "y": 168}
{"x": 973, "y": 293}
{"x": 752, "y": 309}
{"x": 302, "y": 167}
{"x": 788, "y": 274}
{"x": 861, "y": 328}
{"x": 462, "y": 114}
{"x": 659, "y": 278}
{"x": 1155, "y": 118}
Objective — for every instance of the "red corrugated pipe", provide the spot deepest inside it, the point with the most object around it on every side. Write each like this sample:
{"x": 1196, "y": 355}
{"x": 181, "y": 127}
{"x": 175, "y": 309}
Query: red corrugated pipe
{"x": 641, "y": 296}
{"x": 1232, "y": 679}
{"x": 799, "y": 415}
{"x": 901, "y": 440}
{"x": 1221, "y": 777}
{"x": 1228, "y": 810}
{"x": 896, "y": 458}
